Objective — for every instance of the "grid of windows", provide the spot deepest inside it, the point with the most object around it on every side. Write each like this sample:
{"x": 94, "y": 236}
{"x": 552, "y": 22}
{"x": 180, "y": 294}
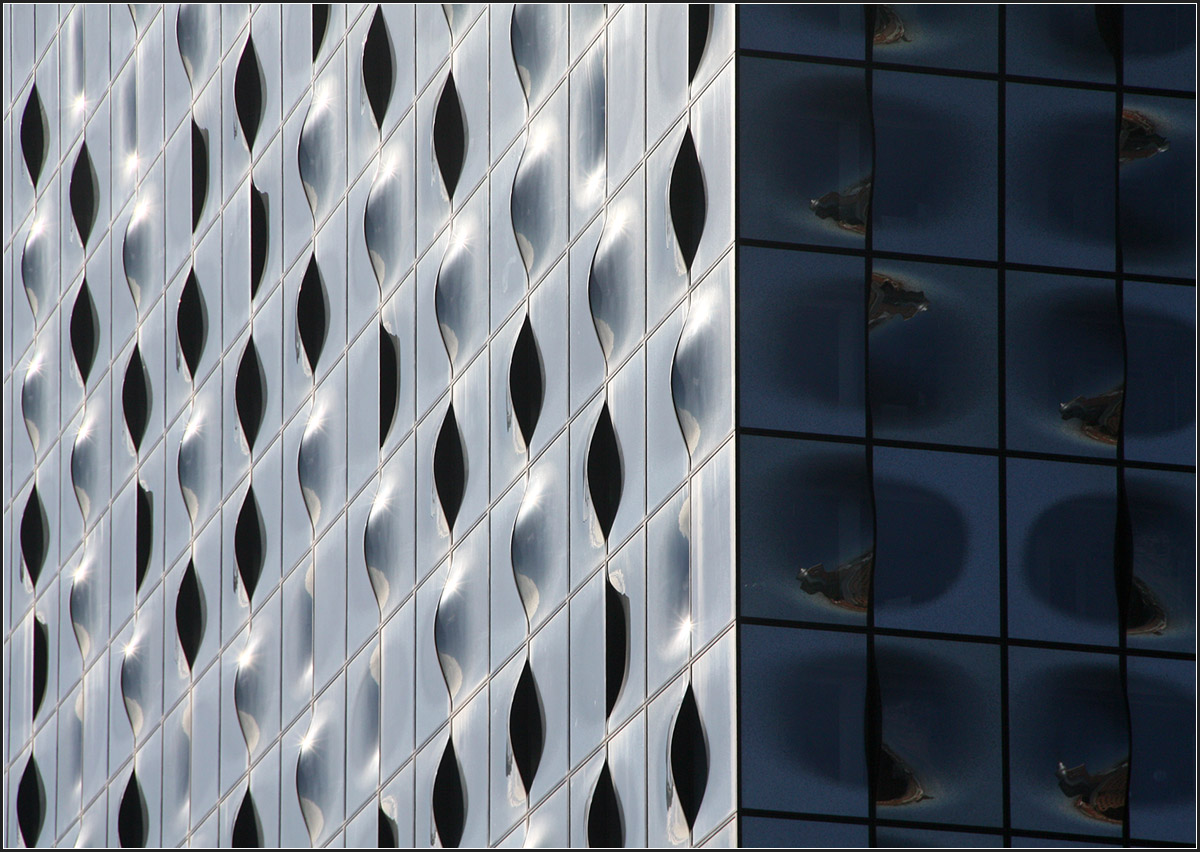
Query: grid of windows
{"x": 966, "y": 333}
{"x": 368, "y": 423}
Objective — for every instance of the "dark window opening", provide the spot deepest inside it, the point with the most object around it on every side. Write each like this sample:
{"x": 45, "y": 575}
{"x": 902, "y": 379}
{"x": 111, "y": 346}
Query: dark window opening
{"x": 449, "y": 800}
{"x": 190, "y": 614}
{"x": 616, "y": 644}
{"x": 192, "y": 323}
{"x": 525, "y": 382}
{"x": 312, "y": 314}
{"x": 604, "y": 474}
{"x": 449, "y": 468}
{"x": 85, "y": 332}
{"x": 85, "y": 194}
{"x": 199, "y": 173}
{"x": 248, "y": 93}
{"x": 605, "y": 828}
{"x": 377, "y": 67}
{"x": 133, "y": 821}
{"x": 449, "y": 136}
{"x": 526, "y": 727}
{"x": 689, "y": 206}
{"x": 135, "y": 398}
{"x": 249, "y": 392}
{"x": 35, "y": 536}
{"x": 34, "y": 133}
{"x": 389, "y": 381}
{"x": 248, "y": 537}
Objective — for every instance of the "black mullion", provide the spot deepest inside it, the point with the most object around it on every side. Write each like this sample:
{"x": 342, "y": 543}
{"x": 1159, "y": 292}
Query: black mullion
{"x": 973, "y": 638}
{"x": 1122, "y": 545}
{"x": 1002, "y": 422}
{"x": 896, "y": 443}
{"x": 935, "y": 71}
{"x": 942, "y": 260}
{"x": 874, "y": 709}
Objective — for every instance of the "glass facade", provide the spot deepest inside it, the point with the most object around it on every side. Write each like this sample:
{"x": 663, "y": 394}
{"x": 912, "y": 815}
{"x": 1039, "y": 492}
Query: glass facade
{"x": 966, "y": 569}
{"x": 368, "y": 425}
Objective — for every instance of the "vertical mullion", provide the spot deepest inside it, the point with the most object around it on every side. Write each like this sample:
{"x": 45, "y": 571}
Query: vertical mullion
{"x": 1123, "y": 544}
{"x": 874, "y": 709}
{"x": 1002, "y": 420}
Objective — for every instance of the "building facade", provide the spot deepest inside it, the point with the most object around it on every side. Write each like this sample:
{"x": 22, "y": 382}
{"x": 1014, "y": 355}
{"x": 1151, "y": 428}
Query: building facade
{"x": 358, "y": 362}
{"x": 598, "y": 425}
{"x": 966, "y": 331}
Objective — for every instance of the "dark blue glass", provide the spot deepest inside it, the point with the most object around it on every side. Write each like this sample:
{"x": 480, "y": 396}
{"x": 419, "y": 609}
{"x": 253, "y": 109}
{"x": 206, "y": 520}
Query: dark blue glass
{"x": 1068, "y": 708}
{"x": 802, "y": 330}
{"x": 937, "y": 541}
{"x": 935, "y": 165}
{"x": 1160, "y": 45}
{"x": 1162, "y": 704}
{"x": 944, "y": 36}
{"x": 941, "y": 730}
{"x": 800, "y": 833}
{"x": 934, "y": 375}
{"x": 1058, "y": 41}
{"x": 1061, "y": 534}
{"x": 803, "y": 133}
{"x": 815, "y": 30}
{"x": 805, "y": 512}
{"x": 1160, "y": 413}
{"x": 918, "y": 838}
{"x": 1163, "y": 521}
{"x": 1063, "y": 341}
{"x": 803, "y": 694}
{"x": 1158, "y": 192}
{"x": 1060, "y": 180}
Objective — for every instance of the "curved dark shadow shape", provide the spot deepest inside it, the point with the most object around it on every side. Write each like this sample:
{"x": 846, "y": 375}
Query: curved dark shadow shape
{"x": 320, "y": 24}
{"x": 527, "y": 727}
{"x": 250, "y": 393}
{"x": 190, "y": 615}
{"x": 35, "y": 536}
{"x": 247, "y": 830}
{"x": 35, "y": 131}
{"x": 312, "y": 314}
{"x": 800, "y": 518}
{"x": 689, "y": 204}
{"x": 199, "y": 172}
{"x": 135, "y": 398}
{"x": 1041, "y": 163}
{"x": 31, "y": 803}
{"x": 41, "y": 663}
{"x": 191, "y": 323}
{"x": 1164, "y": 530}
{"x": 616, "y": 644}
{"x": 377, "y": 66}
{"x": 85, "y": 194}
{"x": 389, "y": 833}
{"x": 85, "y": 331}
{"x": 248, "y": 538}
{"x": 605, "y": 826}
{"x": 823, "y": 320}
{"x": 1064, "y": 29}
{"x": 145, "y": 533}
{"x": 133, "y": 820}
{"x": 389, "y": 381}
{"x": 689, "y": 757}
{"x": 449, "y": 136}
{"x": 605, "y": 474}
{"x": 526, "y": 386}
{"x": 797, "y": 155}
{"x": 449, "y": 799}
{"x": 249, "y": 93}
{"x": 259, "y": 236}
{"x": 699, "y": 30}
{"x": 450, "y": 468}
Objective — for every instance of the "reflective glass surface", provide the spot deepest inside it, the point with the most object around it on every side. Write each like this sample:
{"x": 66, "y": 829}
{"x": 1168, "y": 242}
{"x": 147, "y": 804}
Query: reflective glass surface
{"x": 335, "y": 394}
